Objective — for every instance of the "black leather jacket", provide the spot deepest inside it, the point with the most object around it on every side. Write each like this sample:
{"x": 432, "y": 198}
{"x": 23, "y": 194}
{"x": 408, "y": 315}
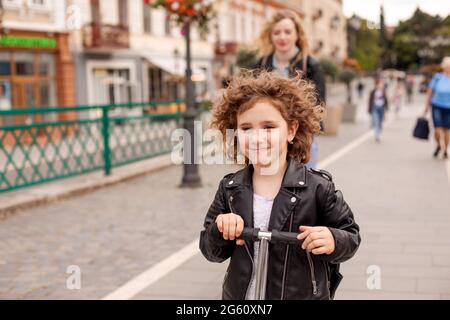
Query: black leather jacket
{"x": 306, "y": 197}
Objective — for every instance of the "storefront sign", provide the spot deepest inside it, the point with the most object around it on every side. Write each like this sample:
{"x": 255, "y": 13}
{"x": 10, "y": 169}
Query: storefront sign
{"x": 28, "y": 42}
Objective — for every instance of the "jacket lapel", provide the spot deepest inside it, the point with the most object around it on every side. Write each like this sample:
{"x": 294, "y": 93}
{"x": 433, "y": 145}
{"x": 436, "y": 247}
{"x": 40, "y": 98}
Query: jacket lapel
{"x": 286, "y": 200}
{"x": 283, "y": 206}
{"x": 240, "y": 200}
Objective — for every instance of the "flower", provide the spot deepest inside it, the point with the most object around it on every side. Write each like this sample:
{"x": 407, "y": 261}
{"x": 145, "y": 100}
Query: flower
{"x": 175, "y": 6}
{"x": 199, "y": 12}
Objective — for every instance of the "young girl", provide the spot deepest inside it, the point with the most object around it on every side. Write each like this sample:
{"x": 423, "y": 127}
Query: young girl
{"x": 276, "y": 118}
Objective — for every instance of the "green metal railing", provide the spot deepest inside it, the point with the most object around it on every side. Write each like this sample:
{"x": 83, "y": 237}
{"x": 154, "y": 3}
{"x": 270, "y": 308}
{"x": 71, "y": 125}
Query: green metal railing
{"x": 100, "y": 138}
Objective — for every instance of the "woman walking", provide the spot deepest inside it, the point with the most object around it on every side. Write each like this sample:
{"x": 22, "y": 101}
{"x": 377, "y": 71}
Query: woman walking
{"x": 438, "y": 100}
{"x": 378, "y": 105}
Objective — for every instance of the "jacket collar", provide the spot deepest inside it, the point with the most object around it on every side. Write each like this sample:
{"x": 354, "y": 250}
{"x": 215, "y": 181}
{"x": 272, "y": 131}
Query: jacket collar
{"x": 294, "y": 177}
{"x": 269, "y": 59}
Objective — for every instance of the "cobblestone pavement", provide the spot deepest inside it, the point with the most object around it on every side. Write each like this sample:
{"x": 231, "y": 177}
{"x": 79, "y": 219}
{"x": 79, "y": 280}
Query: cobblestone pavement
{"x": 116, "y": 233}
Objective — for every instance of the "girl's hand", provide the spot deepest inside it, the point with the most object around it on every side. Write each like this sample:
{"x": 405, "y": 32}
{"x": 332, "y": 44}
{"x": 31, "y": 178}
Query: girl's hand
{"x": 231, "y": 226}
{"x": 318, "y": 240}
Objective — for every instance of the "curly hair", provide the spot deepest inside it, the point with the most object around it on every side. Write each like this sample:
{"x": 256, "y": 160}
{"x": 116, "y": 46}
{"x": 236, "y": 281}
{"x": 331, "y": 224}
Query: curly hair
{"x": 294, "y": 98}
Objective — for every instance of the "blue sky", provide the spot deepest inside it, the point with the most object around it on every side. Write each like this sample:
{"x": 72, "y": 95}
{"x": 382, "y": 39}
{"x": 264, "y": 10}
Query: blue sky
{"x": 395, "y": 10}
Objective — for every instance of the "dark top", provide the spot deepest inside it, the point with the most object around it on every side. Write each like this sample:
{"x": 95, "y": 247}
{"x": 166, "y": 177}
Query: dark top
{"x": 314, "y": 72}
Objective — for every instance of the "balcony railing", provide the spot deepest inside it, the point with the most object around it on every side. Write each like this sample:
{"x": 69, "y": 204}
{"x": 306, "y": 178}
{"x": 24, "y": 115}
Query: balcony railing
{"x": 105, "y": 36}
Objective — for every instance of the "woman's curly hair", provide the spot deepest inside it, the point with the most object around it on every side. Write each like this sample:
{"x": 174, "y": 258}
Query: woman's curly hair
{"x": 295, "y": 99}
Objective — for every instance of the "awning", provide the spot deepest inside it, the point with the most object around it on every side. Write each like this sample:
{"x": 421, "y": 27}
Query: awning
{"x": 177, "y": 67}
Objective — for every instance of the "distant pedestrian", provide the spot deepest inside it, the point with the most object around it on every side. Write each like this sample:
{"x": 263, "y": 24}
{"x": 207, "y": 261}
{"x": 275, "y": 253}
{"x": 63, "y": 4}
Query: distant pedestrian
{"x": 410, "y": 88}
{"x": 378, "y": 105}
{"x": 397, "y": 98}
{"x": 438, "y": 100}
{"x": 360, "y": 89}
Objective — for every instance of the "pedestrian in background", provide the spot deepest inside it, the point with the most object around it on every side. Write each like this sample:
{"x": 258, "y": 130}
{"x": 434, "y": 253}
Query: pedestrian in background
{"x": 360, "y": 89}
{"x": 378, "y": 105}
{"x": 397, "y": 97}
{"x": 410, "y": 88}
{"x": 283, "y": 48}
{"x": 438, "y": 100}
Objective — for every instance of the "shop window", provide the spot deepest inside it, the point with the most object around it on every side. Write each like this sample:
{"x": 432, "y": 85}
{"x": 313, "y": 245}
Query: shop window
{"x": 46, "y": 65}
{"x": 158, "y": 88}
{"x": 5, "y": 64}
{"x": 24, "y": 64}
{"x": 47, "y": 93}
{"x": 112, "y": 86}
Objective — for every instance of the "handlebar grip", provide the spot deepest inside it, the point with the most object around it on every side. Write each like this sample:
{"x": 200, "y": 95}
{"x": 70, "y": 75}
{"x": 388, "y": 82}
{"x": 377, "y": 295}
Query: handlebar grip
{"x": 285, "y": 237}
{"x": 250, "y": 234}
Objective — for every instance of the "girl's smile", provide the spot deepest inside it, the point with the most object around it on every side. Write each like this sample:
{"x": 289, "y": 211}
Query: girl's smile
{"x": 263, "y": 134}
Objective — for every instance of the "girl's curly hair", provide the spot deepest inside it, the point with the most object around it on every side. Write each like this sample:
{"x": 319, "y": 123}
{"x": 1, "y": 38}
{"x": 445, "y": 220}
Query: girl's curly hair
{"x": 295, "y": 99}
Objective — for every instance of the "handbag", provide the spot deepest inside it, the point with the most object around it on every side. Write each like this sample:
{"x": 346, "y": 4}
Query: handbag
{"x": 422, "y": 129}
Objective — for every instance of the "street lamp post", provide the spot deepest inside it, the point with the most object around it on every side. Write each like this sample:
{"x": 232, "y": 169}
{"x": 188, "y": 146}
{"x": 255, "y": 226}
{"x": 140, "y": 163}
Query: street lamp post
{"x": 176, "y": 54}
{"x": 354, "y": 26}
{"x": 191, "y": 178}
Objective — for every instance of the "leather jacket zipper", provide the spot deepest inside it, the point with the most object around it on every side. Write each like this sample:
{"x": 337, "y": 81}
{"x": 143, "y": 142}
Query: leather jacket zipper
{"x": 246, "y": 249}
{"x": 286, "y": 259}
{"x": 313, "y": 276}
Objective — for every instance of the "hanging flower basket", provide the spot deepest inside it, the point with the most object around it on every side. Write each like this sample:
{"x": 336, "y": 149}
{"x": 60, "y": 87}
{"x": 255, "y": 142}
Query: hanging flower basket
{"x": 198, "y": 12}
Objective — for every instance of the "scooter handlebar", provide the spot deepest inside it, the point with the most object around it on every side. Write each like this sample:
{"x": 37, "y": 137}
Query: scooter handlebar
{"x": 285, "y": 237}
{"x": 252, "y": 234}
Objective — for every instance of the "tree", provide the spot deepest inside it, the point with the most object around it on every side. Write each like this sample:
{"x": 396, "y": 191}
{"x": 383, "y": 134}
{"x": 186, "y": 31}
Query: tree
{"x": 366, "y": 46}
{"x": 330, "y": 68}
{"x": 246, "y": 58}
{"x": 414, "y": 40}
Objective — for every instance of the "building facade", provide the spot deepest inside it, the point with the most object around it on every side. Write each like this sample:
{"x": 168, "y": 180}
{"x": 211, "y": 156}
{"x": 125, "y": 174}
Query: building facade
{"x": 326, "y": 26}
{"x": 36, "y": 65}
